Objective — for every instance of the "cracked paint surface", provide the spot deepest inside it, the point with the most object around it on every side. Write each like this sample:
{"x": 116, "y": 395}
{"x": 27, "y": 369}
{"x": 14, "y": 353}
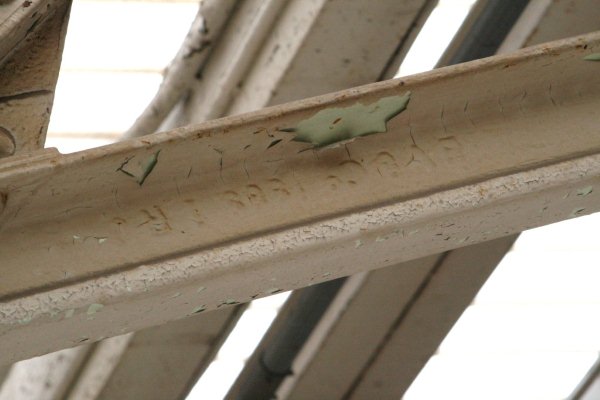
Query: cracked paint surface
{"x": 334, "y": 125}
{"x": 213, "y": 265}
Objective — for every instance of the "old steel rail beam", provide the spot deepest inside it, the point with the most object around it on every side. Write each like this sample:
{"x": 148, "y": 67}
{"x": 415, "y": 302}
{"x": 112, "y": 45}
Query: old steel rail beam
{"x": 136, "y": 374}
{"x": 95, "y": 244}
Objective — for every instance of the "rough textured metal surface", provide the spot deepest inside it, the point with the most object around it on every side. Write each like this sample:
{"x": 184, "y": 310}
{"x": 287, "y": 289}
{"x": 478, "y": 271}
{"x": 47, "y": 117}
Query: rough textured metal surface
{"x": 271, "y": 361}
{"x": 218, "y": 80}
{"x": 44, "y": 378}
{"x": 408, "y": 310}
{"x": 505, "y": 154}
{"x": 547, "y": 20}
{"x": 163, "y": 362}
{"x": 336, "y": 367}
{"x": 32, "y": 38}
{"x": 355, "y": 328}
{"x": 564, "y": 18}
{"x": 430, "y": 315}
{"x": 358, "y": 48}
{"x": 17, "y": 20}
{"x": 308, "y": 40}
{"x": 149, "y": 370}
{"x": 93, "y": 376}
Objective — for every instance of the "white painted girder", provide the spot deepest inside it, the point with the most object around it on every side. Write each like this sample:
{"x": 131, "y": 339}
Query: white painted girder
{"x": 280, "y": 51}
{"x": 416, "y": 333}
{"x": 164, "y": 362}
{"x": 244, "y": 48}
{"x": 349, "y": 359}
{"x": 497, "y": 146}
{"x": 381, "y": 336}
{"x": 97, "y": 371}
{"x": 147, "y": 371}
{"x": 565, "y": 18}
{"x": 47, "y": 377}
{"x": 546, "y": 20}
{"x": 355, "y": 38}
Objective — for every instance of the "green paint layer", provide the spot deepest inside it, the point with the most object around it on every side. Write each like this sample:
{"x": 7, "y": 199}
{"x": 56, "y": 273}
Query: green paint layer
{"x": 94, "y": 308}
{"x": 335, "y": 125}
{"x": 592, "y": 57}
{"x": 139, "y": 171}
{"x": 199, "y": 309}
{"x": 585, "y": 191}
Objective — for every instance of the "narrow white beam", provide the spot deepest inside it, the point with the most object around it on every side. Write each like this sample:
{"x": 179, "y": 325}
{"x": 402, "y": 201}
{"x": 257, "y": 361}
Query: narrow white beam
{"x": 416, "y": 333}
{"x": 485, "y": 149}
{"x": 44, "y": 378}
{"x": 150, "y": 370}
{"x": 383, "y": 335}
{"x": 163, "y": 362}
{"x": 99, "y": 368}
{"x": 277, "y": 51}
{"x": 564, "y": 18}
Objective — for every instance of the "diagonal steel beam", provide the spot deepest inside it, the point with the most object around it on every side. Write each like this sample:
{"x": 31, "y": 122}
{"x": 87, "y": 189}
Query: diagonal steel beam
{"x": 407, "y": 309}
{"x": 164, "y": 362}
{"x": 333, "y": 357}
{"x": 95, "y": 243}
{"x": 139, "y": 372}
{"x": 429, "y": 315}
{"x": 330, "y": 363}
{"x": 218, "y": 81}
{"x": 44, "y": 378}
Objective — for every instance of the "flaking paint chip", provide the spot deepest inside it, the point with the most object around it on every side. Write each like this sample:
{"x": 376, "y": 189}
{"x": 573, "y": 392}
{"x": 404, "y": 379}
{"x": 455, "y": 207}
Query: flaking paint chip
{"x": 592, "y": 57}
{"x": 139, "y": 170}
{"x": 585, "y": 191}
{"x": 199, "y": 309}
{"x": 94, "y": 308}
{"x": 334, "y": 125}
{"x": 576, "y": 212}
